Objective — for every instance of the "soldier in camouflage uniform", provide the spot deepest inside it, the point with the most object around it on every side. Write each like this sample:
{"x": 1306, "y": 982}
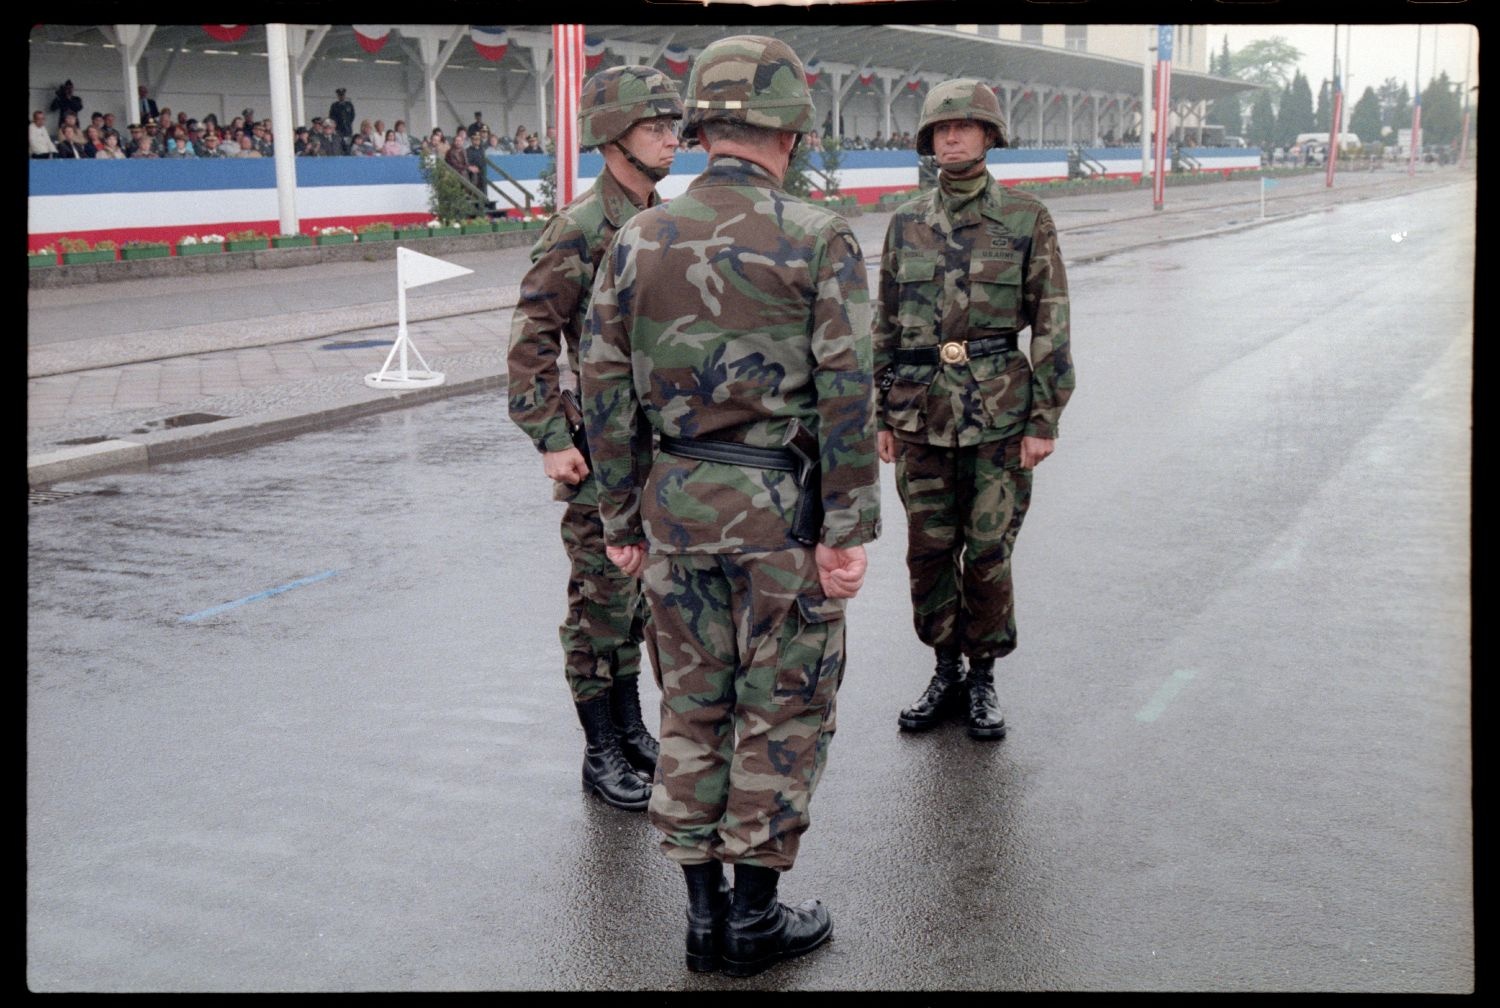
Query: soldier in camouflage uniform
{"x": 732, "y": 322}
{"x": 965, "y": 415}
{"x": 630, "y": 113}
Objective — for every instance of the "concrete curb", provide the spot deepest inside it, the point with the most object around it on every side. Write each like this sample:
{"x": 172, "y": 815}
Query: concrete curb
{"x": 235, "y": 433}
{"x": 163, "y": 344}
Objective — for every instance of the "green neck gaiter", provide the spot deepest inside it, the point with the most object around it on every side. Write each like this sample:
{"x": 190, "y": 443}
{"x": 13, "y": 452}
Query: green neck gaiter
{"x": 959, "y": 192}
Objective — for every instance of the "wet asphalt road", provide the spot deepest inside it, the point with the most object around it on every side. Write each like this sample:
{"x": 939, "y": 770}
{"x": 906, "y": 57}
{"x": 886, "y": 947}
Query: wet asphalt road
{"x": 296, "y": 719}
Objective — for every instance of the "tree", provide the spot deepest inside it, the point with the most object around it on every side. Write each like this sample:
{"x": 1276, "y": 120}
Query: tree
{"x": 1224, "y": 111}
{"x": 1395, "y": 110}
{"x": 1364, "y": 119}
{"x": 1296, "y": 112}
{"x": 1442, "y": 111}
{"x": 1266, "y": 61}
{"x": 1325, "y": 108}
{"x": 1262, "y": 128}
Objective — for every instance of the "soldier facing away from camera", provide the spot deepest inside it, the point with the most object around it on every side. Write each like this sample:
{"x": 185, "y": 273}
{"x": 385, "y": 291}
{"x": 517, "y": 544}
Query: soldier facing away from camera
{"x": 732, "y": 322}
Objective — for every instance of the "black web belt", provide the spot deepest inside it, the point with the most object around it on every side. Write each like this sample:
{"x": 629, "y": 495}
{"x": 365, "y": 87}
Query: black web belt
{"x": 955, "y": 351}
{"x": 707, "y": 450}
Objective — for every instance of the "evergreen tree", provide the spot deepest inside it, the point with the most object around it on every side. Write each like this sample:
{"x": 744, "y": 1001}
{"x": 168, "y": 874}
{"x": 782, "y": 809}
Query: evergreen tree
{"x": 1324, "y": 117}
{"x": 1262, "y": 128}
{"x": 1296, "y": 112}
{"x": 1224, "y": 111}
{"x": 1364, "y": 119}
{"x": 1442, "y": 111}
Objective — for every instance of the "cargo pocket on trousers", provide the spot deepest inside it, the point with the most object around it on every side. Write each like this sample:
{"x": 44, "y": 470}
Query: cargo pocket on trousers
{"x": 803, "y": 654}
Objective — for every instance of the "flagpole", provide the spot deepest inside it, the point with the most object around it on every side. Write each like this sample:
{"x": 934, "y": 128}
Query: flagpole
{"x": 1416, "y": 110}
{"x": 1336, "y": 119}
{"x": 1163, "y": 111}
{"x": 1463, "y": 135}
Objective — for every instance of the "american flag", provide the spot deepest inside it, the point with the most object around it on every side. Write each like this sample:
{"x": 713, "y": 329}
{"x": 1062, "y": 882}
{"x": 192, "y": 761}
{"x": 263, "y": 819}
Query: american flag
{"x": 1163, "y": 109}
{"x": 567, "y": 76}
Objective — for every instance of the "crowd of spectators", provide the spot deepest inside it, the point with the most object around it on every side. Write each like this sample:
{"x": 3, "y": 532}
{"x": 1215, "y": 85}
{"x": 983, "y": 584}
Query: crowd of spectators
{"x": 161, "y": 133}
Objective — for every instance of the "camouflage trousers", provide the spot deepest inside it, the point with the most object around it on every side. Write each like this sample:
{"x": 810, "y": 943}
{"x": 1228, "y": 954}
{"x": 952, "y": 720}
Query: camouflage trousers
{"x": 749, "y": 656}
{"x": 601, "y": 633}
{"x": 964, "y": 508}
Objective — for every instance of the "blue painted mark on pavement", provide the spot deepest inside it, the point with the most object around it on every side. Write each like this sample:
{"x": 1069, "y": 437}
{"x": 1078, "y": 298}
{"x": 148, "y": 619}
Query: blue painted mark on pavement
{"x": 257, "y": 597}
{"x": 1164, "y": 695}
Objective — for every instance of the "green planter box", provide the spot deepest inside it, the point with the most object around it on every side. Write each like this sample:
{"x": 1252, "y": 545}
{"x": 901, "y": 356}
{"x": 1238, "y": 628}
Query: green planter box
{"x": 40, "y": 261}
{"x": 533, "y": 224}
{"x": 446, "y": 232}
{"x": 375, "y": 236}
{"x": 292, "y": 241}
{"x": 81, "y": 258}
{"x": 153, "y": 252}
{"x": 336, "y": 239}
{"x": 248, "y": 245}
{"x": 414, "y": 232}
{"x": 508, "y": 224}
{"x": 485, "y": 228}
{"x": 201, "y": 248}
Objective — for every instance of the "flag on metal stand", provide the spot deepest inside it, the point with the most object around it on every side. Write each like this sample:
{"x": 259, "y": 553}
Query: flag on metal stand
{"x": 1163, "y": 107}
{"x": 567, "y": 78}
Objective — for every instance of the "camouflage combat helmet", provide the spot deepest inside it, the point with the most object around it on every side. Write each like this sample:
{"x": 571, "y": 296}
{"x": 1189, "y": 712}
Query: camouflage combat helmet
{"x": 615, "y": 99}
{"x": 959, "y": 99}
{"x": 751, "y": 79}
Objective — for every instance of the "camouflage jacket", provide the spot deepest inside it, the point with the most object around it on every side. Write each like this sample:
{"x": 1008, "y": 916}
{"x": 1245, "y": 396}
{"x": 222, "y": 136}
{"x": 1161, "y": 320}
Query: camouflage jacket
{"x": 549, "y": 314}
{"x": 727, "y": 313}
{"x": 994, "y": 269}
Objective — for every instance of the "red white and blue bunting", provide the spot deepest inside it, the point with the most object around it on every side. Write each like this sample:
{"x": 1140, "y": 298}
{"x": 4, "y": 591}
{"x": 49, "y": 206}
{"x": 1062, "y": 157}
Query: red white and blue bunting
{"x": 226, "y": 32}
{"x": 593, "y": 52}
{"x": 677, "y": 59}
{"x": 490, "y": 41}
{"x": 813, "y": 70}
{"x": 371, "y": 38}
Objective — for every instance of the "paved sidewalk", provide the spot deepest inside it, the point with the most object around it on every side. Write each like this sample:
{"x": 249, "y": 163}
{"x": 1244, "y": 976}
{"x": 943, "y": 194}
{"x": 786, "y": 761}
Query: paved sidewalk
{"x": 130, "y": 373}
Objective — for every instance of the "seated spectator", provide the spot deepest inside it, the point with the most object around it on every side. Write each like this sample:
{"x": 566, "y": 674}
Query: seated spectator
{"x": 436, "y": 145}
{"x": 111, "y": 150}
{"x": 260, "y": 139}
{"x": 68, "y": 145}
{"x": 507, "y": 144}
{"x": 40, "y": 141}
{"x": 247, "y": 147}
{"x": 210, "y": 122}
{"x": 165, "y": 122}
{"x": 145, "y": 148}
{"x": 477, "y": 126}
{"x": 378, "y": 131}
{"x": 137, "y": 136}
{"x": 407, "y": 147}
{"x": 364, "y": 143}
{"x": 330, "y": 144}
{"x": 212, "y": 147}
{"x": 458, "y": 157}
{"x": 299, "y": 142}
{"x": 71, "y": 121}
{"x": 392, "y": 147}
{"x": 109, "y": 127}
{"x": 92, "y": 141}
{"x": 492, "y": 144}
{"x": 533, "y": 145}
{"x": 178, "y": 144}
{"x": 520, "y": 139}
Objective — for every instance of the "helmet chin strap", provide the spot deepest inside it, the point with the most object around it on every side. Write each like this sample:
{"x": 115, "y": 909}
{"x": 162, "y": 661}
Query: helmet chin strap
{"x": 654, "y": 174}
{"x": 963, "y": 168}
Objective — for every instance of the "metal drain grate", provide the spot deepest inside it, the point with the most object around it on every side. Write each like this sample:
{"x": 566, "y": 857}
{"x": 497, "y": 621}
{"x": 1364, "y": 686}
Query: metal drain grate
{"x": 52, "y": 496}
{"x": 357, "y": 344}
{"x": 181, "y": 420}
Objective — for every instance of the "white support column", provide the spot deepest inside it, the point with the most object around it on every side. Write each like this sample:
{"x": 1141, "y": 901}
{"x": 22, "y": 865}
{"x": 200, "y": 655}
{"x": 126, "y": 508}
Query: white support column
{"x": 835, "y": 108}
{"x": 435, "y": 45}
{"x": 131, "y": 40}
{"x": 279, "y": 66}
{"x": 541, "y": 72}
{"x": 303, "y": 47}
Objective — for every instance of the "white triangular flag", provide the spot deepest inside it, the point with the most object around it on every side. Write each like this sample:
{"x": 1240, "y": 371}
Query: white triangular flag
{"x": 413, "y": 269}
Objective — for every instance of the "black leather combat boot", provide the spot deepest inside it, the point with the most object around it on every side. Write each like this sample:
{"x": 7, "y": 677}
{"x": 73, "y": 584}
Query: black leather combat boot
{"x": 606, "y": 771}
{"x": 984, "y": 717}
{"x": 944, "y": 695}
{"x": 708, "y": 906}
{"x": 635, "y": 738}
{"x": 760, "y": 931}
